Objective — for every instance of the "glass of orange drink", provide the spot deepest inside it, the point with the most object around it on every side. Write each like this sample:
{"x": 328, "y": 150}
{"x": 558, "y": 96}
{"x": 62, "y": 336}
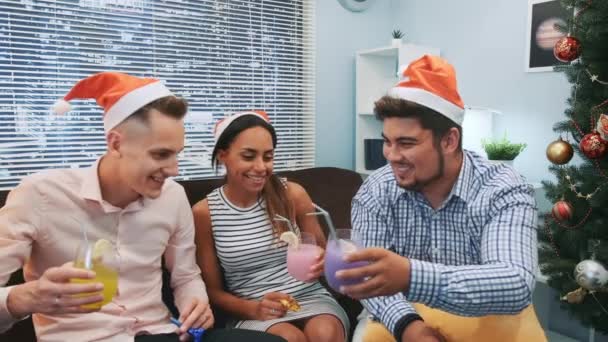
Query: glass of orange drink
{"x": 100, "y": 257}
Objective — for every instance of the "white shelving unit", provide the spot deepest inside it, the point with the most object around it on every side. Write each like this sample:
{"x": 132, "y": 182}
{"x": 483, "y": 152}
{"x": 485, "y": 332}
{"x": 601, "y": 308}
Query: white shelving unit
{"x": 376, "y": 72}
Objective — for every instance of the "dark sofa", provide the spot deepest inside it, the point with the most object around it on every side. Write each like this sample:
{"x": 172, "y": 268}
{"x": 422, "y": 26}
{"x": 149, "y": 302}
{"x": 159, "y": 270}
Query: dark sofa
{"x": 330, "y": 188}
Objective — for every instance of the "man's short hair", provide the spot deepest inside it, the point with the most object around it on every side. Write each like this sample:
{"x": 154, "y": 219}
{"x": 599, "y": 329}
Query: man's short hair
{"x": 391, "y": 107}
{"x": 172, "y": 106}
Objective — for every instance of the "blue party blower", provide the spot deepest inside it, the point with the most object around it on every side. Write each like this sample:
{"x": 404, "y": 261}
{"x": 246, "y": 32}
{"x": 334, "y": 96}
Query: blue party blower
{"x": 196, "y": 333}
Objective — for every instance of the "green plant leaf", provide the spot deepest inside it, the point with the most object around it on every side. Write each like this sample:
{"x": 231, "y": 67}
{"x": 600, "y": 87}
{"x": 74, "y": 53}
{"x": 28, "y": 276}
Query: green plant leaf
{"x": 397, "y": 34}
{"x": 502, "y": 149}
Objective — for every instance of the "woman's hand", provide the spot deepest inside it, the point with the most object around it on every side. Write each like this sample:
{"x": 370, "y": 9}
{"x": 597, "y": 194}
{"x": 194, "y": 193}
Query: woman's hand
{"x": 317, "y": 269}
{"x": 270, "y": 306}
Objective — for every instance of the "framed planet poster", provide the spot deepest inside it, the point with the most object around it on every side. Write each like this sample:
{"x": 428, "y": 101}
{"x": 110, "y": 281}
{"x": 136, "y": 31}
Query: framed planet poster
{"x": 542, "y": 34}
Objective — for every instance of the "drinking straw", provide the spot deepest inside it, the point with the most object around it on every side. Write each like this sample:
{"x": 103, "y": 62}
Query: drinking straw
{"x": 278, "y": 217}
{"x": 88, "y": 262}
{"x": 322, "y": 212}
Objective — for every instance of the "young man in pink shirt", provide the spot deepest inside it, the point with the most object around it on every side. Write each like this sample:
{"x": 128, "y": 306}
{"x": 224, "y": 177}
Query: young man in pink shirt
{"x": 127, "y": 198}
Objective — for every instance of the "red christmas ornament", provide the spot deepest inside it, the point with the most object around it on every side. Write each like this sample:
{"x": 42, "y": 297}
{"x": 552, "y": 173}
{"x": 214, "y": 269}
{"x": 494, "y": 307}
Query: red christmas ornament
{"x": 593, "y": 146}
{"x": 567, "y": 49}
{"x": 562, "y": 211}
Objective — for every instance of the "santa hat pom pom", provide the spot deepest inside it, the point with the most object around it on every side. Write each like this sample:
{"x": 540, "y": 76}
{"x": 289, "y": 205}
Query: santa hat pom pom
{"x": 401, "y": 71}
{"x": 61, "y": 107}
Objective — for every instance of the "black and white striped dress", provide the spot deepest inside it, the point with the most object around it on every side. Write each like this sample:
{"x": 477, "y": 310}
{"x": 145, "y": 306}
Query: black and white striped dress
{"x": 254, "y": 263}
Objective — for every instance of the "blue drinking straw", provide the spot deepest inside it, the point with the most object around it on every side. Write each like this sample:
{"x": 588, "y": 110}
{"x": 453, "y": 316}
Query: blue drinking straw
{"x": 196, "y": 333}
{"x": 322, "y": 212}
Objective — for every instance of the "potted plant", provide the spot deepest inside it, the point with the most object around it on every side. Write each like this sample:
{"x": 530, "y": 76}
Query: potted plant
{"x": 397, "y": 36}
{"x": 502, "y": 150}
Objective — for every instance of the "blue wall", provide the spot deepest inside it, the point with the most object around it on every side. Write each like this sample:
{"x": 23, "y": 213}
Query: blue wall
{"x": 340, "y": 34}
{"x": 484, "y": 40}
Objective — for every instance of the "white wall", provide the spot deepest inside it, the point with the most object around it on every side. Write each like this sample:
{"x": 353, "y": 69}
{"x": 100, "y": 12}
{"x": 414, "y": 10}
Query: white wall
{"x": 485, "y": 41}
{"x": 340, "y": 34}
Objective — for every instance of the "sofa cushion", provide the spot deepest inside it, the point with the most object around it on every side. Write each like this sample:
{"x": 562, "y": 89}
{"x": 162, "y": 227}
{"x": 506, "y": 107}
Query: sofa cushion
{"x": 331, "y": 188}
{"x": 522, "y": 327}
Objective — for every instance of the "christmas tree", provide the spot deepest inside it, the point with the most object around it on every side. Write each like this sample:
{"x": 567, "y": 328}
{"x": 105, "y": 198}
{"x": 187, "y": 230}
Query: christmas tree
{"x": 574, "y": 235}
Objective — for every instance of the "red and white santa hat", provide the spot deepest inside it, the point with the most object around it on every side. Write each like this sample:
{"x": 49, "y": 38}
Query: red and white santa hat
{"x": 221, "y": 125}
{"x": 120, "y": 95}
{"x": 431, "y": 82}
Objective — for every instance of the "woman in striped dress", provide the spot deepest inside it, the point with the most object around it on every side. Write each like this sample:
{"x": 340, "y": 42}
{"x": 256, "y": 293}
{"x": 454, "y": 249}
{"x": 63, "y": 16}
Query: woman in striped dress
{"x": 242, "y": 260}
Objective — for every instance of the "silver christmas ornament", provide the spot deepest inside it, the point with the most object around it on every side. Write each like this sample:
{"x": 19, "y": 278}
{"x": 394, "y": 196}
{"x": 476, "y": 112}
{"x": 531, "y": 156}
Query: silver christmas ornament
{"x": 591, "y": 275}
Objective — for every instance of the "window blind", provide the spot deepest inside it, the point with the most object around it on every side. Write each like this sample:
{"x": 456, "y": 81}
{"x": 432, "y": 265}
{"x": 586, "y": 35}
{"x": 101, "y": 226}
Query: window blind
{"x": 222, "y": 56}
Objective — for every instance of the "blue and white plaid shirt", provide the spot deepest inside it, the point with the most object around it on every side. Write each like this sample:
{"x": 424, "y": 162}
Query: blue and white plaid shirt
{"x": 475, "y": 255}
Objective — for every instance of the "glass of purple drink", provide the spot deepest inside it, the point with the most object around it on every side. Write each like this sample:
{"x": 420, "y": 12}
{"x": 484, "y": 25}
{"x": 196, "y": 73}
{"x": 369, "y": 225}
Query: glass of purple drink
{"x": 345, "y": 241}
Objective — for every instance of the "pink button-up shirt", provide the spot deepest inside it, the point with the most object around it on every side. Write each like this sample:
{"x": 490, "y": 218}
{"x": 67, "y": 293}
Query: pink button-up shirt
{"x": 36, "y": 233}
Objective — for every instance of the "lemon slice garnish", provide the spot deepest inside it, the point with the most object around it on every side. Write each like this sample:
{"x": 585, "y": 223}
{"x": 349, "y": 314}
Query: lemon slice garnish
{"x": 101, "y": 248}
{"x": 290, "y": 238}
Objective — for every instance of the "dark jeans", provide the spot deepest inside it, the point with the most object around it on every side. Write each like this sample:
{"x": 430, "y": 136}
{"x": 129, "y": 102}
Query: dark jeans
{"x": 217, "y": 335}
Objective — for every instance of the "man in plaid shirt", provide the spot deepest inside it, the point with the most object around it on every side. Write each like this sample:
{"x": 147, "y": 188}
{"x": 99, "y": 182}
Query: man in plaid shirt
{"x": 445, "y": 227}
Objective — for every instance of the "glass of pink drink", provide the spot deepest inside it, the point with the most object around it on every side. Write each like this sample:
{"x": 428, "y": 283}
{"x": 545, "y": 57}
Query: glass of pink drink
{"x": 346, "y": 242}
{"x": 302, "y": 257}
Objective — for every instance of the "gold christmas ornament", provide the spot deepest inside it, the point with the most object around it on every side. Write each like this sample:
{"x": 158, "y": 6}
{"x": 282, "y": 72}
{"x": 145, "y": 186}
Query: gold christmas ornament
{"x": 559, "y": 152}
